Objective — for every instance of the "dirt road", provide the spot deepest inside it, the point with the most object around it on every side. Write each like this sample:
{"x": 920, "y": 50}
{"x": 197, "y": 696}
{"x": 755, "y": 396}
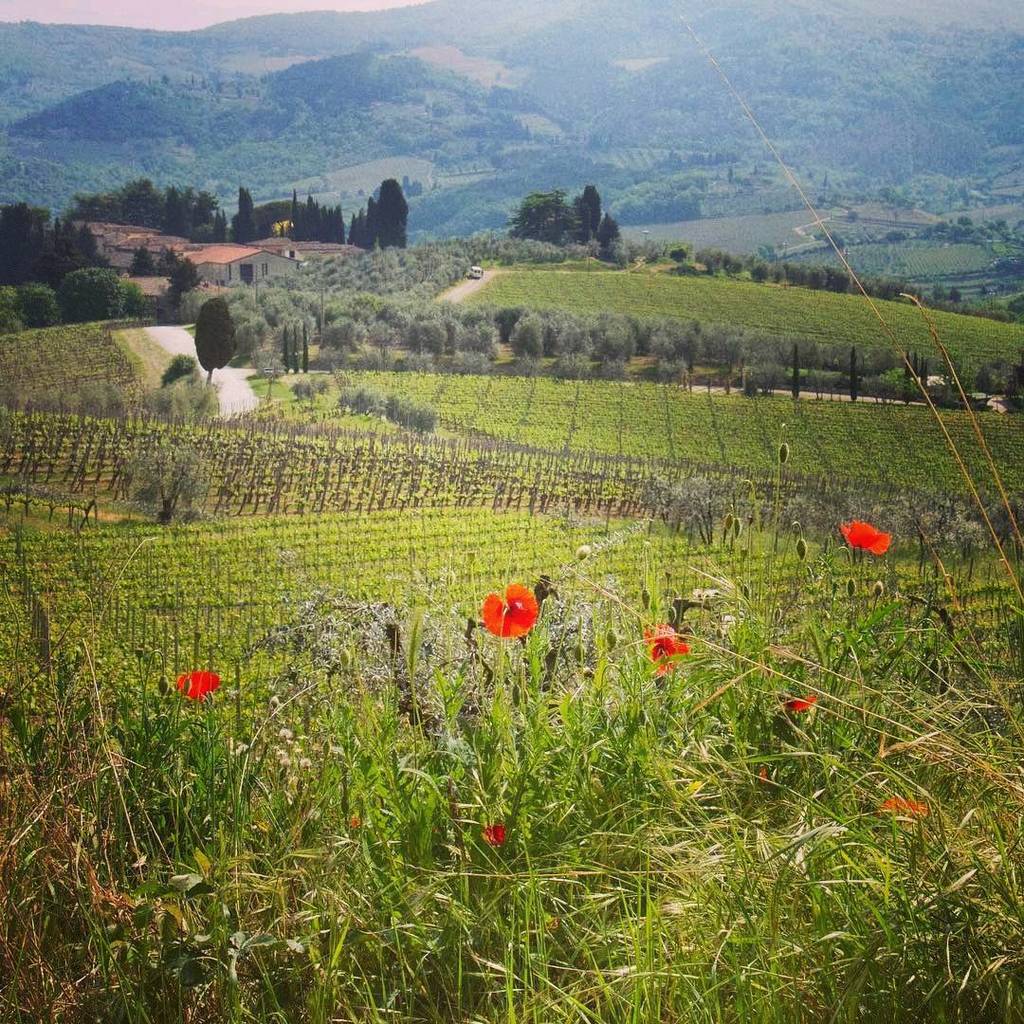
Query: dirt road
{"x": 461, "y": 292}
{"x": 233, "y": 390}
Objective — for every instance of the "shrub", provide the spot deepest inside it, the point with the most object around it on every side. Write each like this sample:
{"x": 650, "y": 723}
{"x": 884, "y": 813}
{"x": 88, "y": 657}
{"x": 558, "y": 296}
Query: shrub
{"x": 411, "y": 415}
{"x": 39, "y": 307}
{"x": 10, "y": 311}
{"x": 180, "y": 366}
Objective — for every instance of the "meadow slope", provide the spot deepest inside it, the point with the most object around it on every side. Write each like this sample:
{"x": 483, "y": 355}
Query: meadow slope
{"x": 788, "y": 311}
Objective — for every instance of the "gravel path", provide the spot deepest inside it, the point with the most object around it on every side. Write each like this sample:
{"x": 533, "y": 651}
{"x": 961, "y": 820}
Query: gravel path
{"x": 233, "y": 390}
{"x": 461, "y": 292}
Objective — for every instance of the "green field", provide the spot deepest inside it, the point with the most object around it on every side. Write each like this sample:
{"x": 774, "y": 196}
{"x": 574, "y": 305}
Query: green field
{"x": 885, "y": 444}
{"x": 823, "y": 316}
{"x": 741, "y": 235}
{"x": 913, "y": 261}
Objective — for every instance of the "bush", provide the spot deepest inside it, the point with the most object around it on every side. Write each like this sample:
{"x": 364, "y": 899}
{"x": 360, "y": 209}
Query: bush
{"x": 91, "y": 294}
{"x": 134, "y": 304}
{"x": 39, "y": 306}
{"x": 180, "y": 366}
{"x": 184, "y": 400}
{"x": 412, "y": 416}
{"x": 10, "y": 312}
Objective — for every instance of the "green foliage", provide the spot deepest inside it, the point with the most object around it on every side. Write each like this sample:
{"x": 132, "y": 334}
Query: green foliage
{"x": 831, "y": 440}
{"x": 180, "y": 366}
{"x": 215, "y": 336}
{"x": 243, "y": 224}
{"x": 92, "y": 294}
{"x": 71, "y": 367}
{"x": 10, "y": 310}
{"x": 545, "y": 217}
{"x": 392, "y": 216}
{"x": 824, "y": 316}
{"x": 364, "y": 738}
{"x": 143, "y": 264}
{"x": 168, "y": 478}
{"x": 39, "y": 306}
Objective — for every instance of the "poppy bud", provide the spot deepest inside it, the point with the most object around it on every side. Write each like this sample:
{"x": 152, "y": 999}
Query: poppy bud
{"x": 851, "y": 588}
{"x": 611, "y": 638}
{"x": 345, "y": 659}
{"x": 878, "y": 589}
{"x": 801, "y": 549}
{"x": 737, "y": 527}
{"x": 645, "y": 598}
{"x": 729, "y": 520}
{"x": 796, "y": 527}
{"x": 783, "y": 453}
{"x": 583, "y": 551}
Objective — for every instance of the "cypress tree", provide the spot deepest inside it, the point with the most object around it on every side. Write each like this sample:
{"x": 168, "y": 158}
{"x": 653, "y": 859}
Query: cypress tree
{"x": 286, "y": 356}
{"x": 796, "y": 370}
{"x": 608, "y": 234}
{"x": 392, "y": 216}
{"x": 305, "y": 347}
{"x": 588, "y": 210}
{"x": 294, "y": 216}
{"x": 244, "y": 221}
{"x": 370, "y": 227}
{"x": 215, "y": 336}
{"x": 853, "y": 373}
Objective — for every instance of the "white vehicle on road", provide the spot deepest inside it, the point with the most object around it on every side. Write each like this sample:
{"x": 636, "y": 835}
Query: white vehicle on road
{"x": 475, "y": 273}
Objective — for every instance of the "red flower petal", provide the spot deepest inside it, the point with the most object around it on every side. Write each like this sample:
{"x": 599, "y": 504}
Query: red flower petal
{"x": 664, "y": 645}
{"x": 865, "y": 537}
{"x": 900, "y": 805}
{"x": 514, "y": 616}
{"x": 801, "y": 704}
{"x": 494, "y": 835}
{"x": 196, "y": 685}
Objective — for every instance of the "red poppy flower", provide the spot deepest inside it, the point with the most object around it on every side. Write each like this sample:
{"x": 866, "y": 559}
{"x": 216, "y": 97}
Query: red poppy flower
{"x": 800, "y": 704}
{"x": 664, "y": 645}
{"x": 864, "y": 537}
{"x": 763, "y": 774}
{"x": 196, "y": 685}
{"x": 514, "y": 616}
{"x": 355, "y": 822}
{"x": 494, "y": 835}
{"x": 899, "y": 805}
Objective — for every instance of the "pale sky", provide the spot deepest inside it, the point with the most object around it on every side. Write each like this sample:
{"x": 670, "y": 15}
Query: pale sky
{"x": 186, "y": 15}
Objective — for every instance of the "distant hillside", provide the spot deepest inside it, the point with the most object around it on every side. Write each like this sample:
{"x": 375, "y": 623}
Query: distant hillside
{"x": 529, "y": 95}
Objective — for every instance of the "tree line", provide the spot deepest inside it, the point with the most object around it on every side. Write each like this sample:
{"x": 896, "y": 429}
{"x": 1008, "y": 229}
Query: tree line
{"x": 382, "y": 223}
{"x": 183, "y": 212}
{"x": 552, "y": 217}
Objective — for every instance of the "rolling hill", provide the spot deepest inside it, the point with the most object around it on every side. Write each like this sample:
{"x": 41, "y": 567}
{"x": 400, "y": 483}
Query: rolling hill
{"x": 530, "y": 95}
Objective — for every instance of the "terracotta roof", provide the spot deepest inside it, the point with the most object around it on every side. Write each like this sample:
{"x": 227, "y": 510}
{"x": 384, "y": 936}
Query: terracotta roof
{"x": 221, "y": 254}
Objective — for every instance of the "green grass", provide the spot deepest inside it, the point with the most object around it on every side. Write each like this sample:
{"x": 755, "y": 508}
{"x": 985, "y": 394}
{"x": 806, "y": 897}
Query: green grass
{"x": 309, "y": 843}
{"x": 826, "y": 317}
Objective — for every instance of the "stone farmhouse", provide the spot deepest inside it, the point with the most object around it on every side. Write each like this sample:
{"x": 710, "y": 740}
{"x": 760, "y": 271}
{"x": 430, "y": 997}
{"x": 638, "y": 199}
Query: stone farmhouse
{"x": 226, "y": 264}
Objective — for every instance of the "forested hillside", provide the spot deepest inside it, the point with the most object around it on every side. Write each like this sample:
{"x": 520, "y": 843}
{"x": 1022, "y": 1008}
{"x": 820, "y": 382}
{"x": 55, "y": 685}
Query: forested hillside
{"x": 482, "y": 103}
